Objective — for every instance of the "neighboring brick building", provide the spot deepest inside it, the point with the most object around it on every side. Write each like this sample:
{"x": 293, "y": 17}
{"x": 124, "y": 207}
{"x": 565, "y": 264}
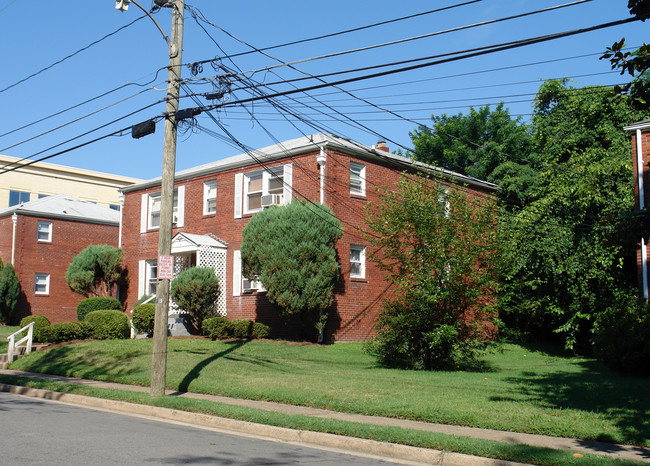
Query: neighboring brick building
{"x": 41, "y": 238}
{"x": 213, "y": 203}
{"x": 641, "y": 160}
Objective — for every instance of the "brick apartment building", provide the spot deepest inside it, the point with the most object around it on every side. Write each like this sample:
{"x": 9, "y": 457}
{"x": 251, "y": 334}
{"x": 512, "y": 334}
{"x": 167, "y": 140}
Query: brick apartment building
{"x": 641, "y": 149}
{"x": 213, "y": 203}
{"x": 41, "y": 238}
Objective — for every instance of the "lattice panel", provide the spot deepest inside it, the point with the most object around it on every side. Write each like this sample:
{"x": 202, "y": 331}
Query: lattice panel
{"x": 215, "y": 258}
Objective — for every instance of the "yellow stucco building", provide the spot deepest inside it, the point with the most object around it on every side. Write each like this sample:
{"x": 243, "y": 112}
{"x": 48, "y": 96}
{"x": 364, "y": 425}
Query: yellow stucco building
{"x": 40, "y": 179}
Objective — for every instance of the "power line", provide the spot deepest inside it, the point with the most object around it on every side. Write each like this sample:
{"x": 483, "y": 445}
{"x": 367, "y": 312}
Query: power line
{"x": 72, "y": 54}
{"x": 196, "y": 11}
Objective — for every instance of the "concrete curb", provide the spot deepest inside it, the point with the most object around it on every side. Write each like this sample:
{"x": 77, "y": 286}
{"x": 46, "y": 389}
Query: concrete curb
{"x": 369, "y": 447}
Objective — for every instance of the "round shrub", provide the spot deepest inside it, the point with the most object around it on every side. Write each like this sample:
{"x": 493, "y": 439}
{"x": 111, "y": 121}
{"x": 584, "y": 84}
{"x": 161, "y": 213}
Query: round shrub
{"x": 64, "y": 331}
{"x": 196, "y": 290}
{"x": 242, "y": 328}
{"x": 143, "y": 318}
{"x": 217, "y": 328}
{"x": 109, "y": 324}
{"x": 40, "y": 322}
{"x": 260, "y": 330}
{"x": 622, "y": 337}
{"x": 96, "y": 303}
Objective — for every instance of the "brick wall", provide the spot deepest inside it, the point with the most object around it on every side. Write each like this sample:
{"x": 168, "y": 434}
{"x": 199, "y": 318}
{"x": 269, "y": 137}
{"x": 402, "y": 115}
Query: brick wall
{"x": 32, "y": 257}
{"x": 357, "y": 301}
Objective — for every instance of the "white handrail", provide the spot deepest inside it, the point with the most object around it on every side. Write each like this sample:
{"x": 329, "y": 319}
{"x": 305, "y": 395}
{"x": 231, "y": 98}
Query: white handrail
{"x": 14, "y": 344}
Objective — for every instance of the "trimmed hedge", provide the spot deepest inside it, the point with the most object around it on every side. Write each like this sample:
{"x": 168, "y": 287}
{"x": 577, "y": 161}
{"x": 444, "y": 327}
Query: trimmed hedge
{"x": 64, "y": 331}
{"x": 96, "y": 303}
{"x": 219, "y": 328}
{"x": 40, "y": 322}
{"x": 109, "y": 324}
{"x": 143, "y": 318}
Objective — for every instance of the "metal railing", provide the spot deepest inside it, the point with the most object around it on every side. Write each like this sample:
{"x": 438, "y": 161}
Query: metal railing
{"x": 13, "y": 344}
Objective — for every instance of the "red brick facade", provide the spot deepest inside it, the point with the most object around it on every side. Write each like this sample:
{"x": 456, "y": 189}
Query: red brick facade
{"x": 357, "y": 300}
{"x": 32, "y": 257}
{"x": 640, "y": 133}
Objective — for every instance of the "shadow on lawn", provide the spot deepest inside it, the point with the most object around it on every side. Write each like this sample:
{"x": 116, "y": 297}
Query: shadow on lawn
{"x": 623, "y": 400}
{"x": 196, "y": 370}
{"x": 62, "y": 361}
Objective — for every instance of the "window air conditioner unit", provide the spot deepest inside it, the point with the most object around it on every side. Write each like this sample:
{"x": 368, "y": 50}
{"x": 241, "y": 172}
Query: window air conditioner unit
{"x": 272, "y": 199}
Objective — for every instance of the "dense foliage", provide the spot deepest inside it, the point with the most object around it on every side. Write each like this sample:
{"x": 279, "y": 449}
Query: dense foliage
{"x": 196, "y": 290}
{"x": 437, "y": 247}
{"x": 291, "y": 250}
{"x": 96, "y": 303}
{"x": 109, "y": 325}
{"x": 563, "y": 265}
{"x": 9, "y": 292}
{"x": 143, "y": 318}
{"x": 96, "y": 271}
{"x": 622, "y": 336}
{"x": 65, "y": 331}
{"x": 219, "y": 328}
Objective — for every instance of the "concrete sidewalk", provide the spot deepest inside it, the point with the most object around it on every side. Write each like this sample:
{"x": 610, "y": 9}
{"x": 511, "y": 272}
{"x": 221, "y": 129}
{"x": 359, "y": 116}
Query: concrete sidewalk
{"x": 626, "y": 452}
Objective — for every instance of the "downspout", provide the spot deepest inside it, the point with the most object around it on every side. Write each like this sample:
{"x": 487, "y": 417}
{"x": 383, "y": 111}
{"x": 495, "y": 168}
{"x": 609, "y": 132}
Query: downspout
{"x": 644, "y": 249}
{"x": 14, "y": 219}
{"x": 320, "y": 160}
{"x": 119, "y": 238}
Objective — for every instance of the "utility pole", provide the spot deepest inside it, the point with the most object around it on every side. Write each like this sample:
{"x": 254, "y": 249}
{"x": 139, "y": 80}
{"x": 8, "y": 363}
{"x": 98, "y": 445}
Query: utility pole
{"x": 159, "y": 357}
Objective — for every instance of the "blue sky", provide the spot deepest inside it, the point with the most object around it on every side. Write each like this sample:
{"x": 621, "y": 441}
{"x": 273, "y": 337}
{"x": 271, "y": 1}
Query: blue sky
{"x": 38, "y": 34}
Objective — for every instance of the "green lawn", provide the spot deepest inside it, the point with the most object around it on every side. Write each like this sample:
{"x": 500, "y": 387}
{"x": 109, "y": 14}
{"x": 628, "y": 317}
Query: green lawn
{"x": 5, "y": 331}
{"x": 524, "y": 389}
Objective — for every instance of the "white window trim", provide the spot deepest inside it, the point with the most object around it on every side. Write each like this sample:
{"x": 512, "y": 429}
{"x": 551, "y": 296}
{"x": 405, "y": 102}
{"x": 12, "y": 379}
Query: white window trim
{"x": 177, "y": 213}
{"x": 46, "y": 277}
{"x": 49, "y": 232}
{"x": 241, "y": 188}
{"x": 361, "y": 262}
{"x": 206, "y": 191}
{"x": 241, "y": 284}
{"x": 357, "y": 167}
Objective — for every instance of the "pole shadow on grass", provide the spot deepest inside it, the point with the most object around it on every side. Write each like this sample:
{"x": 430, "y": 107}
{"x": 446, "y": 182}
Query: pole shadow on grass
{"x": 194, "y": 373}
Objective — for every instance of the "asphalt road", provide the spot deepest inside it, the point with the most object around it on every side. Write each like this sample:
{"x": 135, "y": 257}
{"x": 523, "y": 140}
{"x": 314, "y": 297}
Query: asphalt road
{"x": 44, "y": 432}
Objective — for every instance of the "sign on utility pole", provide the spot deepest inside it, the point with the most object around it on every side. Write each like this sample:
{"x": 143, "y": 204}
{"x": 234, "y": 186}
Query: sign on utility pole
{"x": 159, "y": 357}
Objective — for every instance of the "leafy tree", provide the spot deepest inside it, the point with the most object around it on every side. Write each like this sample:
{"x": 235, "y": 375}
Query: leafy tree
{"x": 437, "y": 247}
{"x": 486, "y": 144}
{"x": 96, "y": 271}
{"x": 196, "y": 291}
{"x": 9, "y": 292}
{"x": 635, "y": 63}
{"x": 560, "y": 271}
{"x": 291, "y": 249}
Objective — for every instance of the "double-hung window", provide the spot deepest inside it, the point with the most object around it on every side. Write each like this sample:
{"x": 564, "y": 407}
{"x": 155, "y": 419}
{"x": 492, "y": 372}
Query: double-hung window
{"x": 42, "y": 283}
{"x": 44, "y": 232}
{"x": 151, "y": 204}
{"x": 357, "y": 261}
{"x": 151, "y": 277}
{"x": 263, "y": 188}
{"x": 209, "y": 197}
{"x": 357, "y": 179}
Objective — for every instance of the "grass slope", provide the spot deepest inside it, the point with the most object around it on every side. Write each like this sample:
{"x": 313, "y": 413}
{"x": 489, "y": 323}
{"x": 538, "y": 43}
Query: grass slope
{"x": 524, "y": 389}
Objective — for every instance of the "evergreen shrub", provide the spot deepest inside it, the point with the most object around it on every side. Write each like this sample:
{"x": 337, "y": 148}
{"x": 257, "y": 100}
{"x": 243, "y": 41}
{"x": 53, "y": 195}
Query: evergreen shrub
{"x": 63, "y": 331}
{"x": 143, "y": 318}
{"x": 109, "y": 324}
{"x": 96, "y": 303}
{"x": 40, "y": 322}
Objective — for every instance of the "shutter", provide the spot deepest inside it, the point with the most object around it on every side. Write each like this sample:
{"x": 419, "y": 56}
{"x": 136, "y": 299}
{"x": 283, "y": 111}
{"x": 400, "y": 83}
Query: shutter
{"x": 239, "y": 185}
{"x": 144, "y": 206}
{"x": 180, "y": 214}
{"x": 287, "y": 179}
{"x": 142, "y": 272}
{"x": 236, "y": 273}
